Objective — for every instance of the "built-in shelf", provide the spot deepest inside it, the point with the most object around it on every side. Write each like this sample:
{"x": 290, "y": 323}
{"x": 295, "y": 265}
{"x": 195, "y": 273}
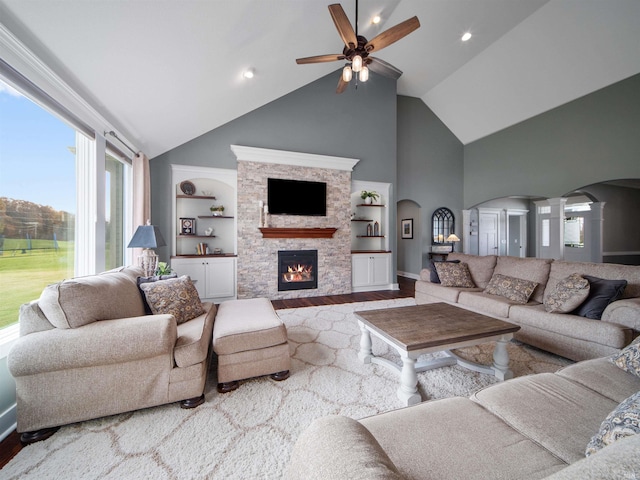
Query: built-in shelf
{"x": 201, "y": 197}
{"x": 361, "y": 220}
{"x": 369, "y": 205}
{"x": 370, "y": 251}
{"x": 214, "y": 216}
{"x": 297, "y": 232}
{"x": 196, "y": 236}
{"x": 208, "y": 256}
{"x": 370, "y": 236}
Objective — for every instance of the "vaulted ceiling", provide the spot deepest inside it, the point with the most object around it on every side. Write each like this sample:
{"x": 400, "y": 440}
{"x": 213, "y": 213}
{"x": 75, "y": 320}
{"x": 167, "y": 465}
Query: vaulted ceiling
{"x": 166, "y": 71}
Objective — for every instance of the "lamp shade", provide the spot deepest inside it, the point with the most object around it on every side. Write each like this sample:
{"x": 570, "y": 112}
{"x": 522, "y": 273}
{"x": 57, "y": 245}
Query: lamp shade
{"x": 453, "y": 238}
{"x": 147, "y": 236}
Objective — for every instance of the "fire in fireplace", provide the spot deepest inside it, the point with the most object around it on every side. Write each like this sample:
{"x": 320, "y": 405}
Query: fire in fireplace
{"x": 297, "y": 269}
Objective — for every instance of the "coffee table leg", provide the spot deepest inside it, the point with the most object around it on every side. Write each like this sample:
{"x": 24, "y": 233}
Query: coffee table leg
{"x": 365, "y": 354}
{"x": 501, "y": 360}
{"x": 408, "y": 393}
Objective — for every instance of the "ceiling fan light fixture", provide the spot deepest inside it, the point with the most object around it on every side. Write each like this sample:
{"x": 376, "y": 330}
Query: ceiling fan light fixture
{"x": 363, "y": 76}
{"x": 347, "y": 74}
{"x": 249, "y": 73}
{"x": 466, "y": 36}
{"x": 376, "y": 19}
{"x": 356, "y": 63}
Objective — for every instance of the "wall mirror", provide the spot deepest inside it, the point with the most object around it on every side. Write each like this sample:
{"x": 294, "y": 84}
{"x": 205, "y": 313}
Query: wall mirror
{"x": 443, "y": 225}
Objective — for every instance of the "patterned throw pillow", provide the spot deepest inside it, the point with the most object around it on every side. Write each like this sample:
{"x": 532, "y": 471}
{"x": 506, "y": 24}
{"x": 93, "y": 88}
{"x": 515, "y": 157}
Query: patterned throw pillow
{"x": 433, "y": 273}
{"x": 568, "y": 295}
{"x": 514, "y": 289}
{"x": 176, "y": 296}
{"x": 624, "y": 421}
{"x": 629, "y": 358}
{"x": 454, "y": 274}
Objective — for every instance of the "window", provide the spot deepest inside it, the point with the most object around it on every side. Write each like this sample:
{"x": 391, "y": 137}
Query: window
{"x": 48, "y": 170}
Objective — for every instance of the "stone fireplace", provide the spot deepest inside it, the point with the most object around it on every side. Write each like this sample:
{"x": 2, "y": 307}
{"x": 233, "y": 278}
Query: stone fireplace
{"x": 258, "y": 266}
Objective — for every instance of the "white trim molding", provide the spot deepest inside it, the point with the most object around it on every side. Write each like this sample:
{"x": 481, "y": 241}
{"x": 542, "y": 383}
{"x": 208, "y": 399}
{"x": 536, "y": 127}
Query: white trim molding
{"x": 283, "y": 157}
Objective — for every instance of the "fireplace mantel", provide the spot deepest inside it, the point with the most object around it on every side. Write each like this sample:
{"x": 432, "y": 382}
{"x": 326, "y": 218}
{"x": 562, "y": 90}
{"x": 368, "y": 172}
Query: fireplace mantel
{"x": 297, "y": 232}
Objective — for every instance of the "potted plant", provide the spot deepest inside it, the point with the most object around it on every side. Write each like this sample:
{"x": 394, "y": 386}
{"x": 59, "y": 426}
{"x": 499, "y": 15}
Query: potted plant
{"x": 217, "y": 210}
{"x": 369, "y": 197}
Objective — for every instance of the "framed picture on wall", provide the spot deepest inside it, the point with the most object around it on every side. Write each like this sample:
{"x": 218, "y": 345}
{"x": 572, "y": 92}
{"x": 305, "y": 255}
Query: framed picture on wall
{"x": 406, "y": 228}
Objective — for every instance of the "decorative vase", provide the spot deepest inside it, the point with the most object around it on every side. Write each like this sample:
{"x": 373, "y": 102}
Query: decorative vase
{"x": 368, "y": 200}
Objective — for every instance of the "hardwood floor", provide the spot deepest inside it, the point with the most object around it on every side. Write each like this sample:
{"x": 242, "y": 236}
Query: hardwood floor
{"x": 10, "y": 446}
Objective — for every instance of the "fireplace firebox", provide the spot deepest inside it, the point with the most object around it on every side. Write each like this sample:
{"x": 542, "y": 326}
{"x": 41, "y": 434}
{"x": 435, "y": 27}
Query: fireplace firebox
{"x": 297, "y": 269}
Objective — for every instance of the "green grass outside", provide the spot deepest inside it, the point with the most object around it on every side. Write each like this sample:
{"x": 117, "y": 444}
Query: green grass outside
{"x": 23, "y": 276}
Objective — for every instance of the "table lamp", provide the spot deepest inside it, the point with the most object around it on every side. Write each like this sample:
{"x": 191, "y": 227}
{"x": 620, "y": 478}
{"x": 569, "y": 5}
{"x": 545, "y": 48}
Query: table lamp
{"x": 147, "y": 237}
{"x": 451, "y": 239}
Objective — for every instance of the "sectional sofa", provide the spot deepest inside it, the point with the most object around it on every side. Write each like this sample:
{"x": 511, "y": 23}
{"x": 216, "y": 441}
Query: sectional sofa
{"x": 567, "y": 334}
{"x": 532, "y": 427}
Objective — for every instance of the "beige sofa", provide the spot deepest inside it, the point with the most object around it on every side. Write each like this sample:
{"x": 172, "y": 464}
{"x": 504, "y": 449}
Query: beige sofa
{"x": 529, "y": 428}
{"x": 565, "y": 334}
{"x": 99, "y": 354}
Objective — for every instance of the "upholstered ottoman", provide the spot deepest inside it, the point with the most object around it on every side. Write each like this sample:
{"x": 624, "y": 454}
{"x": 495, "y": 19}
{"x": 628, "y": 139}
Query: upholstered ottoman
{"x": 250, "y": 340}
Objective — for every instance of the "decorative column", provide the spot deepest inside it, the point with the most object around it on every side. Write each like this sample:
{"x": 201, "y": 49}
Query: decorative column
{"x": 597, "y": 229}
{"x": 556, "y": 228}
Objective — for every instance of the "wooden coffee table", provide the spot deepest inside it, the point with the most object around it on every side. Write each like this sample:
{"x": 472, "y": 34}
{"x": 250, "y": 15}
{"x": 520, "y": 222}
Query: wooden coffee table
{"x": 433, "y": 327}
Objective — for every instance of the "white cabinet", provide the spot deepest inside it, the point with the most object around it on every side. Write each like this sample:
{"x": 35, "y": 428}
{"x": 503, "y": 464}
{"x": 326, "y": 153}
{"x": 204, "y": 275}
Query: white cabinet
{"x": 214, "y": 277}
{"x": 370, "y": 271}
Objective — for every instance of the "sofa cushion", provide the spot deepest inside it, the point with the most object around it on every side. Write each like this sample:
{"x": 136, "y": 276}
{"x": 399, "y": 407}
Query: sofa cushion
{"x": 528, "y": 403}
{"x": 480, "y": 267}
{"x": 360, "y": 457}
{"x": 533, "y": 269}
{"x": 83, "y": 300}
{"x": 175, "y": 296}
{"x": 568, "y": 294}
{"x": 602, "y": 376}
{"x": 440, "y": 440}
{"x": 601, "y": 293}
{"x": 447, "y": 294}
{"x": 623, "y": 421}
{"x": 486, "y": 303}
{"x": 155, "y": 278}
{"x": 570, "y": 326}
{"x": 454, "y": 275}
{"x": 610, "y": 271}
{"x": 514, "y": 289}
{"x": 629, "y": 358}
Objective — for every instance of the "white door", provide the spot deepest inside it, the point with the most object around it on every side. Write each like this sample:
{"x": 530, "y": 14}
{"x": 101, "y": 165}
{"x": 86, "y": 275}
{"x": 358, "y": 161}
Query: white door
{"x": 381, "y": 266}
{"x": 360, "y": 270}
{"x": 488, "y": 234}
{"x": 221, "y": 278}
{"x": 195, "y": 269}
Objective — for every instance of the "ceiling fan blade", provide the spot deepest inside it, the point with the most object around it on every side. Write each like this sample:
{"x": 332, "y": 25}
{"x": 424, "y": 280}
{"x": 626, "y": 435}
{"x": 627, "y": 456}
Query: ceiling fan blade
{"x": 343, "y": 25}
{"x": 342, "y": 85}
{"x": 392, "y": 35}
{"x": 320, "y": 59}
{"x": 383, "y": 68}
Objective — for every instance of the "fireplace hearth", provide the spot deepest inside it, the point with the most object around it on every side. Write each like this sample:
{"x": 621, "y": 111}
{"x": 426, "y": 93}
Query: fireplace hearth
{"x": 297, "y": 269}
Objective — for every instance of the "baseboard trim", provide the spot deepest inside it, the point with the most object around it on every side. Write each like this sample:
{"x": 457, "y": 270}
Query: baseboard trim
{"x": 8, "y": 422}
{"x": 409, "y": 275}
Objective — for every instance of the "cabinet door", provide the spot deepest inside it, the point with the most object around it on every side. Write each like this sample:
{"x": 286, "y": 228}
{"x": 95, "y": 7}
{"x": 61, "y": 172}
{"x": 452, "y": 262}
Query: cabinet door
{"x": 195, "y": 269}
{"x": 360, "y": 270}
{"x": 221, "y": 278}
{"x": 380, "y": 269}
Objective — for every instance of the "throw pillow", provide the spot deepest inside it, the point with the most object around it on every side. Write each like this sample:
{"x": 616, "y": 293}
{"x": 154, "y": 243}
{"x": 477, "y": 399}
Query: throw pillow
{"x": 176, "y": 296}
{"x": 624, "y": 421}
{"x": 512, "y": 288}
{"x": 601, "y": 293}
{"x": 568, "y": 295}
{"x": 454, "y": 274}
{"x": 433, "y": 273}
{"x": 155, "y": 278}
{"x": 629, "y": 358}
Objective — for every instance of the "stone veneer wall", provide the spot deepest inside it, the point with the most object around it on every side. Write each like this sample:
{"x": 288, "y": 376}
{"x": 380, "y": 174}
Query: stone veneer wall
{"x": 258, "y": 257}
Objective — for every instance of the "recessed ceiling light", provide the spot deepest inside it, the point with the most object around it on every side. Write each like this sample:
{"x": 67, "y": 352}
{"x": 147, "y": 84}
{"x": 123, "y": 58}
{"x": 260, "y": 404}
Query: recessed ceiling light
{"x": 249, "y": 73}
{"x": 466, "y": 36}
{"x": 375, "y": 20}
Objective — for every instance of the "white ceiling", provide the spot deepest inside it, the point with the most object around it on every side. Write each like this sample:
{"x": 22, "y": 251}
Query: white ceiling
{"x": 166, "y": 71}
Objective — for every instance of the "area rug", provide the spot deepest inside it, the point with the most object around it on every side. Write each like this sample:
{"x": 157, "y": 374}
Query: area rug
{"x": 249, "y": 433}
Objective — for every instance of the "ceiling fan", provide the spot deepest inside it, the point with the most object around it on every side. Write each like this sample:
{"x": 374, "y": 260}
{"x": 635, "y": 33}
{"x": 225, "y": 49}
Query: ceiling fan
{"x": 357, "y": 48}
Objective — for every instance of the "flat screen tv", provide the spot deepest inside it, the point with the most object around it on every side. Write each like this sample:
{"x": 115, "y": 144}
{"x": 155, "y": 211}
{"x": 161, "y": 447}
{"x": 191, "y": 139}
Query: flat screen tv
{"x": 296, "y": 197}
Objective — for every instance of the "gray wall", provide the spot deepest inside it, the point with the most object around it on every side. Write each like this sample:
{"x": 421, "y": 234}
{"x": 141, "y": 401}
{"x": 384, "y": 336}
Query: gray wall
{"x": 410, "y": 249}
{"x": 313, "y": 119}
{"x": 430, "y": 161}
{"x": 590, "y": 140}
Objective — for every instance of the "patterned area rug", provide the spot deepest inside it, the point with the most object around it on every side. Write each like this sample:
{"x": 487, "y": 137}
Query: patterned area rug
{"x": 249, "y": 433}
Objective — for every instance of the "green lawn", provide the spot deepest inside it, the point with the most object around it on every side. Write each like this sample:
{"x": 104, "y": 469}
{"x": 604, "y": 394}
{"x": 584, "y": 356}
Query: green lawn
{"x": 23, "y": 276}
